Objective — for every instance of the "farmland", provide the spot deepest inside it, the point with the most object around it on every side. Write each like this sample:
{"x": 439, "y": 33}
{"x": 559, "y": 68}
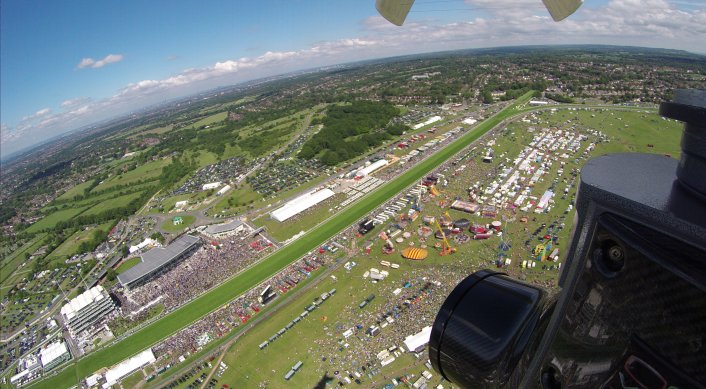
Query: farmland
{"x": 116, "y": 202}
{"x": 71, "y": 245}
{"x": 147, "y": 172}
{"x": 53, "y": 218}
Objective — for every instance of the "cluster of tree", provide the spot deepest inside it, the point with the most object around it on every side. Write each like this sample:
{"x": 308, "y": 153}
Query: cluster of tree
{"x": 559, "y": 98}
{"x": 97, "y": 237}
{"x": 108, "y": 214}
{"x": 350, "y": 130}
{"x": 7, "y": 212}
{"x": 512, "y": 90}
{"x": 258, "y": 143}
{"x": 121, "y": 189}
{"x": 351, "y": 148}
{"x": 111, "y": 274}
{"x": 397, "y": 129}
{"x": 175, "y": 171}
{"x": 87, "y": 266}
{"x": 158, "y": 237}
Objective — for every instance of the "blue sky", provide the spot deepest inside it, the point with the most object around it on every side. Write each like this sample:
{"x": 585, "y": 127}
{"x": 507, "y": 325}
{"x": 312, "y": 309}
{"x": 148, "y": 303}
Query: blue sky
{"x": 65, "y": 64}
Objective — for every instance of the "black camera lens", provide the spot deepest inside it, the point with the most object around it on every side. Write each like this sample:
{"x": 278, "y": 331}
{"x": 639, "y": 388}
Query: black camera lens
{"x": 483, "y": 328}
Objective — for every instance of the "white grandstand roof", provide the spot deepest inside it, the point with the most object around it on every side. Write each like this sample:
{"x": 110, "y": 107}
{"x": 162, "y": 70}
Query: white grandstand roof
{"x": 413, "y": 342}
{"x": 128, "y": 366}
{"x": 81, "y": 301}
{"x": 300, "y": 204}
{"x": 52, "y": 352}
{"x": 223, "y": 227}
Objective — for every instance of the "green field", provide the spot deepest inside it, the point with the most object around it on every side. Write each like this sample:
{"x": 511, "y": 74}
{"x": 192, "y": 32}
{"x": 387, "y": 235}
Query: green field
{"x": 168, "y": 203}
{"x": 132, "y": 380}
{"x": 240, "y": 197}
{"x": 127, "y": 264}
{"x": 147, "y": 172}
{"x": 76, "y": 190}
{"x": 302, "y": 222}
{"x": 243, "y": 196}
{"x": 12, "y": 261}
{"x": 116, "y": 202}
{"x": 169, "y": 225}
{"x": 663, "y": 135}
{"x": 273, "y": 362}
{"x": 158, "y": 130}
{"x": 50, "y": 220}
{"x": 70, "y": 246}
{"x": 247, "y": 279}
{"x": 209, "y": 120}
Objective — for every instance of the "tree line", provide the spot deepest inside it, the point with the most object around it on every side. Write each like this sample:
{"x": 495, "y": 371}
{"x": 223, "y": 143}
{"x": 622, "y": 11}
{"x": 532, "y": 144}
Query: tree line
{"x": 350, "y": 130}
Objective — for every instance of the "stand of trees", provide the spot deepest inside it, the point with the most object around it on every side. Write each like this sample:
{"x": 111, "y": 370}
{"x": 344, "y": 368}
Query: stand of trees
{"x": 559, "y": 98}
{"x": 350, "y": 130}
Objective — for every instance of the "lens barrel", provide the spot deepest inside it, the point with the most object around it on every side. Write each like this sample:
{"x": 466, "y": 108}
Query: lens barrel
{"x": 483, "y": 329}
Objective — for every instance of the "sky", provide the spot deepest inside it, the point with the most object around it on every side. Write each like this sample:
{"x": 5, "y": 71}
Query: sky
{"x": 67, "y": 64}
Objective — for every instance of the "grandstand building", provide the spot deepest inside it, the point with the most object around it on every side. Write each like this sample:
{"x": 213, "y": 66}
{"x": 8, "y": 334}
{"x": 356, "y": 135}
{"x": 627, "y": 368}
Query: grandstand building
{"x": 224, "y": 229}
{"x": 54, "y": 354}
{"x": 158, "y": 260}
{"x": 87, "y": 308}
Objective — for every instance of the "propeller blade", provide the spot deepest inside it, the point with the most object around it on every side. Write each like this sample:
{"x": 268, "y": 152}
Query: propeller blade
{"x": 395, "y": 11}
{"x": 561, "y": 9}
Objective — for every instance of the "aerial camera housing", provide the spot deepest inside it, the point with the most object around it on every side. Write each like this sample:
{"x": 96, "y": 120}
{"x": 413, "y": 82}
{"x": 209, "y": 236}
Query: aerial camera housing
{"x": 632, "y": 308}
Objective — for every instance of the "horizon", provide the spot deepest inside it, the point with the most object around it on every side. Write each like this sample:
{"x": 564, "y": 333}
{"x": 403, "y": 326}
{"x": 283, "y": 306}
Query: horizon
{"x": 133, "y": 72}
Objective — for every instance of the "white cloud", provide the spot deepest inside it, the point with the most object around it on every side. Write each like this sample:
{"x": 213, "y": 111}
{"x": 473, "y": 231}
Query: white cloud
{"x": 70, "y": 103}
{"x": 37, "y": 115}
{"x": 86, "y": 62}
{"x": 5, "y": 133}
{"x": 654, "y": 23}
{"x": 90, "y": 62}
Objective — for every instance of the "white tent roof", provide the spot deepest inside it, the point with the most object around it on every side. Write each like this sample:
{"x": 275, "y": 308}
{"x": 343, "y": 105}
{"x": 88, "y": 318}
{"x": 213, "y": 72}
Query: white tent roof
{"x": 52, "y": 352}
{"x": 413, "y": 342}
{"x": 371, "y": 168}
{"x": 81, "y": 301}
{"x": 300, "y": 204}
{"x": 128, "y": 366}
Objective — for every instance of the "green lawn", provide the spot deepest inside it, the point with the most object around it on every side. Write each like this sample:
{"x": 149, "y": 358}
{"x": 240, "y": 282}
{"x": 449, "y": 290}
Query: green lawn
{"x": 76, "y": 190}
{"x": 70, "y": 246}
{"x": 235, "y": 200}
{"x": 116, "y": 202}
{"x": 169, "y": 225}
{"x": 243, "y": 196}
{"x": 168, "y": 203}
{"x": 50, "y": 220}
{"x": 302, "y": 222}
{"x": 127, "y": 264}
{"x": 147, "y": 172}
{"x": 12, "y": 261}
{"x": 209, "y": 120}
{"x": 132, "y": 380}
{"x": 203, "y": 158}
{"x": 158, "y": 130}
{"x": 245, "y": 280}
